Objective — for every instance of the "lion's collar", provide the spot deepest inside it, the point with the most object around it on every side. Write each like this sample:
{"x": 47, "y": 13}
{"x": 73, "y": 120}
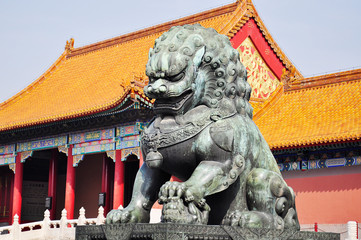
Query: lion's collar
{"x": 188, "y": 125}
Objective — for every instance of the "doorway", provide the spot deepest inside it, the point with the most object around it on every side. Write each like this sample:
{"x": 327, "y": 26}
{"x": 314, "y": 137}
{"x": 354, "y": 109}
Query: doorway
{"x": 130, "y": 171}
{"x": 6, "y": 192}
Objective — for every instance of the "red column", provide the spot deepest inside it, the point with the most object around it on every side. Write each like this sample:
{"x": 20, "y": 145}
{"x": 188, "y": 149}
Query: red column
{"x": 105, "y": 183}
{"x": 18, "y": 185}
{"x": 52, "y": 181}
{"x": 141, "y": 161}
{"x": 118, "y": 198}
{"x": 70, "y": 185}
{"x": 11, "y": 198}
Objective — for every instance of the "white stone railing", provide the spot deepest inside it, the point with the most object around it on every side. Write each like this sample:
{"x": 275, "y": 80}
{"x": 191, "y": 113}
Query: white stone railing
{"x": 65, "y": 228}
{"x": 347, "y": 231}
{"x": 48, "y": 229}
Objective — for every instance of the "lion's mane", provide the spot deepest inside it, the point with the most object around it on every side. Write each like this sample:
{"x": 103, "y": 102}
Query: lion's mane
{"x": 220, "y": 74}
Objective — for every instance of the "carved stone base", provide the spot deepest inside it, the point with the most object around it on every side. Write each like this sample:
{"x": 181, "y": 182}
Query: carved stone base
{"x": 163, "y": 231}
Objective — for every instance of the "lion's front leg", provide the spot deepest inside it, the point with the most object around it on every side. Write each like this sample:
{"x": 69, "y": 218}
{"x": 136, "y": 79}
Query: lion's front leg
{"x": 185, "y": 202}
{"x": 146, "y": 186}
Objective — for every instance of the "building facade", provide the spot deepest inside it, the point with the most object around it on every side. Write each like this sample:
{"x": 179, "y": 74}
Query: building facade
{"x": 72, "y": 137}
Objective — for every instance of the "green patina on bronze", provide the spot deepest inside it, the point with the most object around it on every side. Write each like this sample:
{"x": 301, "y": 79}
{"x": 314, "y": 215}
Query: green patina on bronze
{"x": 204, "y": 135}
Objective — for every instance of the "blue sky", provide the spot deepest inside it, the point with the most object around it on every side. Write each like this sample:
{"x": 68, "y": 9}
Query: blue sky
{"x": 318, "y": 36}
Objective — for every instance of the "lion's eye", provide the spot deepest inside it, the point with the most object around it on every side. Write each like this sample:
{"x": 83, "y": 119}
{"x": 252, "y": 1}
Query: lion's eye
{"x": 177, "y": 77}
{"x": 152, "y": 79}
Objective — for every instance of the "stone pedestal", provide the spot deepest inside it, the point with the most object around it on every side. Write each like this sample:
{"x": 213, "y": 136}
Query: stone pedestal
{"x": 163, "y": 231}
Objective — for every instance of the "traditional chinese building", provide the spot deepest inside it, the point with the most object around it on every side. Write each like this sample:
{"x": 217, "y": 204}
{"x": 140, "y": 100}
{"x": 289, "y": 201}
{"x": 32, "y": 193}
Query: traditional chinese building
{"x": 74, "y": 132}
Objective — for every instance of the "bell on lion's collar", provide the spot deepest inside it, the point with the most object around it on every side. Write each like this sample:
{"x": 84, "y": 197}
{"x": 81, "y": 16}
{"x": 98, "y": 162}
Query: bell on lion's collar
{"x": 154, "y": 159}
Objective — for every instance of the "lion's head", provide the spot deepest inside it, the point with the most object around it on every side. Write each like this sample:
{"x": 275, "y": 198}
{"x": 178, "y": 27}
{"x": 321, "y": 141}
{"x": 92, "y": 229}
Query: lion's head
{"x": 191, "y": 65}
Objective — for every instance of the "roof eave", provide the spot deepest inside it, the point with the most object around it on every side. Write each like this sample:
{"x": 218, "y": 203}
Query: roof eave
{"x": 246, "y": 10}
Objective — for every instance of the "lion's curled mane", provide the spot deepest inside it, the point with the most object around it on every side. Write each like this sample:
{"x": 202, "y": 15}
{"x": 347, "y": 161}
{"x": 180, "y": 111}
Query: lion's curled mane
{"x": 220, "y": 74}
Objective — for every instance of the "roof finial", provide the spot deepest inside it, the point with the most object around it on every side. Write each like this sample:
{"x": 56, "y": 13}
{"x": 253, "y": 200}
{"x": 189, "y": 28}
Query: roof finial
{"x": 288, "y": 76}
{"x": 240, "y": 1}
{"x": 69, "y": 45}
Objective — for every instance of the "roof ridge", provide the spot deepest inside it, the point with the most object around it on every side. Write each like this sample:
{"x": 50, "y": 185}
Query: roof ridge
{"x": 327, "y": 79}
{"x": 46, "y": 74}
{"x": 215, "y": 12}
{"x": 236, "y": 23}
{"x": 273, "y": 44}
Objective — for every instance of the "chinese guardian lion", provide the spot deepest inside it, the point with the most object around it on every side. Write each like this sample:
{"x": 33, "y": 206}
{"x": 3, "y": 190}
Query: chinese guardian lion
{"x": 203, "y": 134}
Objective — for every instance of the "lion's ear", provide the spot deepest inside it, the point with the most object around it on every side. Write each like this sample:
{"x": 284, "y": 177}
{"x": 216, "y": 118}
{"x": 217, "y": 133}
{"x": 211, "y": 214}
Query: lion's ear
{"x": 198, "y": 56}
{"x": 151, "y": 52}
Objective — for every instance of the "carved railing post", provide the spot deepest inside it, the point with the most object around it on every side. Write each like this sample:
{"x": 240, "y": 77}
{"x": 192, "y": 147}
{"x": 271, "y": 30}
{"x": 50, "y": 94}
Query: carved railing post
{"x": 351, "y": 230}
{"x": 82, "y": 218}
{"x": 63, "y": 224}
{"x": 15, "y": 232}
{"x": 46, "y": 224}
{"x": 100, "y": 218}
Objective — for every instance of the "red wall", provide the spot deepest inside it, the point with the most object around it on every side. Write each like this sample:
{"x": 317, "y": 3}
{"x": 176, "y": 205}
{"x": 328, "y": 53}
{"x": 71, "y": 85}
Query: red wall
{"x": 326, "y": 196}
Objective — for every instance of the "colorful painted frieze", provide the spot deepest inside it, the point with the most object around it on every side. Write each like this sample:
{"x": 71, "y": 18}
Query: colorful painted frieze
{"x": 94, "y": 147}
{"x": 77, "y": 159}
{"x": 130, "y": 151}
{"x": 335, "y": 162}
{"x": 91, "y": 136}
{"x": 141, "y": 125}
{"x": 42, "y": 144}
{"x": 128, "y": 142}
{"x": 291, "y": 166}
{"x": 127, "y": 131}
{"x": 322, "y": 163}
{"x": 7, "y": 149}
{"x": 7, "y": 159}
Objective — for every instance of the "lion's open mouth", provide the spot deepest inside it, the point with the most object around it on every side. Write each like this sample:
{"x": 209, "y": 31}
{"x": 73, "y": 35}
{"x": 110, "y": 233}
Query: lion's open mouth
{"x": 173, "y": 105}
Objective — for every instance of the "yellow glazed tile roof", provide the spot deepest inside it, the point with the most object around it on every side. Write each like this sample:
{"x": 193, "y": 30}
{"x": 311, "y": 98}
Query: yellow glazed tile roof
{"x": 98, "y": 77}
{"x": 94, "y": 78}
{"x": 317, "y": 110}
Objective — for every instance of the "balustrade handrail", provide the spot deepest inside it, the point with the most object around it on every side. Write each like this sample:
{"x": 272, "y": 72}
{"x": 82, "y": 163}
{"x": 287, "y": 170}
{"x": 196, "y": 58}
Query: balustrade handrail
{"x": 63, "y": 228}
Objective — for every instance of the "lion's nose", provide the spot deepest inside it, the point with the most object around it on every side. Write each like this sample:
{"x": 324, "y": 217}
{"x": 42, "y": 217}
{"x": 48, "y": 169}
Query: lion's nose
{"x": 162, "y": 89}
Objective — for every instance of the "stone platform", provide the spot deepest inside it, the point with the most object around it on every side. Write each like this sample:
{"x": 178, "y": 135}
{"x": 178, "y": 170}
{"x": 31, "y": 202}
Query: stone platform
{"x": 164, "y": 231}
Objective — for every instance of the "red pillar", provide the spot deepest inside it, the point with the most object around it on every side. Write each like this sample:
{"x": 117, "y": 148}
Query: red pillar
{"x": 18, "y": 185}
{"x": 11, "y": 199}
{"x": 105, "y": 183}
{"x": 70, "y": 185}
{"x": 141, "y": 161}
{"x": 118, "y": 198}
{"x": 52, "y": 181}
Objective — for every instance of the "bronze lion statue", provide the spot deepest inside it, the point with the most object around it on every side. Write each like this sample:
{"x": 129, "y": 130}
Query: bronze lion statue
{"x": 203, "y": 134}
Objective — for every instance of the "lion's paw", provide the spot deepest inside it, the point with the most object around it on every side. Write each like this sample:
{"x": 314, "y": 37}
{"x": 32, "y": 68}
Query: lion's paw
{"x": 127, "y": 215}
{"x": 177, "y": 210}
{"x": 174, "y": 190}
{"x": 179, "y": 205}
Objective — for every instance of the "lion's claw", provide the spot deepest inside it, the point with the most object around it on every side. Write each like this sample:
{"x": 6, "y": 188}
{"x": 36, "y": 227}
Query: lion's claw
{"x": 131, "y": 214}
{"x": 189, "y": 197}
{"x": 116, "y": 216}
{"x": 171, "y": 190}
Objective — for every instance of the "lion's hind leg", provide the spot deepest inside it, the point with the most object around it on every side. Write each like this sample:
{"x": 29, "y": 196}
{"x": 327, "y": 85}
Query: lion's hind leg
{"x": 267, "y": 192}
{"x": 271, "y": 203}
